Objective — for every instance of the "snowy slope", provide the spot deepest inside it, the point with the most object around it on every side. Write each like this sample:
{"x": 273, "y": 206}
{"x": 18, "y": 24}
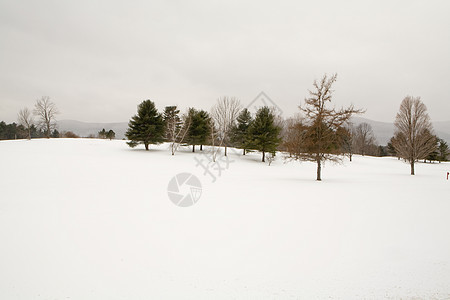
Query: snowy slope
{"x": 91, "y": 219}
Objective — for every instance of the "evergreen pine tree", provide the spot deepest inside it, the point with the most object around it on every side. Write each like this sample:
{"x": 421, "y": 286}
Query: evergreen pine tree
{"x": 443, "y": 151}
{"x": 382, "y": 151}
{"x": 172, "y": 122}
{"x": 102, "y": 134}
{"x": 2, "y": 130}
{"x": 391, "y": 148}
{"x": 147, "y": 127}
{"x": 239, "y": 132}
{"x": 12, "y": 131}
{"x": 55, "y": 134}
{"x": 264, "y": 133}
{"x": 199, "y": 129}
{"x": 110, "y": 134}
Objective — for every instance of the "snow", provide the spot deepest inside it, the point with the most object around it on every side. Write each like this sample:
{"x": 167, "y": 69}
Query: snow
{"x": 91, "y": 219}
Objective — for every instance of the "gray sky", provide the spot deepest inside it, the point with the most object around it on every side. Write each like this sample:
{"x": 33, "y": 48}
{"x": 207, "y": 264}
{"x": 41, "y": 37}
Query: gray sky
{"x": 98, "y": 59}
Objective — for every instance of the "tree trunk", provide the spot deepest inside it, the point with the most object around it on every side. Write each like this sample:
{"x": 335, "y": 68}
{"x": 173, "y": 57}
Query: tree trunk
{"x": 146, "y": 146}
{"x": 193, "y": 148}
{"x": 225, "y": 150}
{"x": 350, "y": 157}
{"x": 412, "y": 168}
{"x": 243, "y": 152}
{"x": 319, "y": 169}
{"x": 263, "y": 156}
{"x": 201, "y": 147}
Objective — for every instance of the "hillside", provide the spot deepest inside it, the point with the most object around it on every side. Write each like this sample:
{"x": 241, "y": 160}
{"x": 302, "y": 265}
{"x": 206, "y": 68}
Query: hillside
{"x": 84, "y": 129}
{"x": 383, "y": 131}
{"x": 92, "y": 219}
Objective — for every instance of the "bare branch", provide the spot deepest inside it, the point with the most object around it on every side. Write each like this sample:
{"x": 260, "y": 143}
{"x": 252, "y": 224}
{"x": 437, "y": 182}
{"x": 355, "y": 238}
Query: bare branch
{"x": 46, "y": 112}
{"x": 414, "y": 137}
{"x": 25, "y": 119}
{"x": 224, "y": 115}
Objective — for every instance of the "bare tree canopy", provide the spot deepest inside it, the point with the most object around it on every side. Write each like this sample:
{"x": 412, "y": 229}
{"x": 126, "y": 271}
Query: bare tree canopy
{"x": 25, "y": 119}
{"x": 46, "y": 112}
{"x": 364, "y": 139}
{"x": 347, "y": 142}
{"x": 176, "y": 127}
{"x": 318, "y": 139}
{"x": 293, "y": 135}
{"x": 224, "y": 115}
{"x": 413, "y": 138}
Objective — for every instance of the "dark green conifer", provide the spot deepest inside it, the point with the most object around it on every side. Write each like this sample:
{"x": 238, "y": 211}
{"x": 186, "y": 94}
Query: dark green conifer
{"x": 264, "y": 133}
{"x": 146, "y": 127}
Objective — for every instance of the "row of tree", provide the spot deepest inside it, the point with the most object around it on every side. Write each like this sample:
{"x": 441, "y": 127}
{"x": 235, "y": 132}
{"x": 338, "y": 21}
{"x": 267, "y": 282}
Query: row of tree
{"x": 440, "y": 153}
{"x": 44, "y": 125}
{"x": 317, "y": 137}
{"x": 320, "y": 134}
{"x": 103, "y": 134}
{"x": 14, "y": 131}
{"x": 45, "y": 112}
{"x": 17, "y": 131}
{"x": 226, "y": 125}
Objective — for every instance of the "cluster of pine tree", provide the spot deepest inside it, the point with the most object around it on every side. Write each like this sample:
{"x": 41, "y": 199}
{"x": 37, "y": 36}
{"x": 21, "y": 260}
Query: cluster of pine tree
{"x": 441, "y": 151}
{"x": 103, "y": 134}
{"x": 197, "y": 128}
{"x": 14, "y": 131}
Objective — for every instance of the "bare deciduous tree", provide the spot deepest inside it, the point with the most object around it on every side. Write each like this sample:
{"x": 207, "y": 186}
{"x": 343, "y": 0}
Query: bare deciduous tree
{"x": 364, "y": 138}
{"x": 270, "y": 157}
{"x": 346, "y": 136}
{"x": 181, "y": 134}
{"x": 176, "y": 127}
{"x": 214, "y": 140}
{"x": 413, "y": 138}
{"x": 25, "y": 119}
{"x": 46, "y": 112}
{"x": 319, "y": 131}
{"x": 293, "y": 134}
{"x": 224, "y": 114}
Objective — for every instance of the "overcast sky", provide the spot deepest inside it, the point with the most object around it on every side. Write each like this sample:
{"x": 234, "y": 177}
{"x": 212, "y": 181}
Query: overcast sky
{"x": 98, "y": 59}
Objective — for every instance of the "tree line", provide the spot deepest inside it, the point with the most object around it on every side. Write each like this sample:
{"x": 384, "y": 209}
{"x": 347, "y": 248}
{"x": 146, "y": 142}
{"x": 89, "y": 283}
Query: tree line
{"x": 226, "y": 125}
{"x": 44, "y": 126}
{"x": 318, "y": 134}
{"x": 28, "y": 127}
{"x": 14, "y": 131}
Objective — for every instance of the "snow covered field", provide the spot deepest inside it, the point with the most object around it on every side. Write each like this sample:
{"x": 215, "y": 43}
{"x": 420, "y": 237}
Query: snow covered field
{"x": 91, "y": 219}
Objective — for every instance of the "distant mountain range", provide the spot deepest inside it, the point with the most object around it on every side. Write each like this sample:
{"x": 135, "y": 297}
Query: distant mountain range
{"x": 85, "y": 129}
{"x": 383, "y": 131}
